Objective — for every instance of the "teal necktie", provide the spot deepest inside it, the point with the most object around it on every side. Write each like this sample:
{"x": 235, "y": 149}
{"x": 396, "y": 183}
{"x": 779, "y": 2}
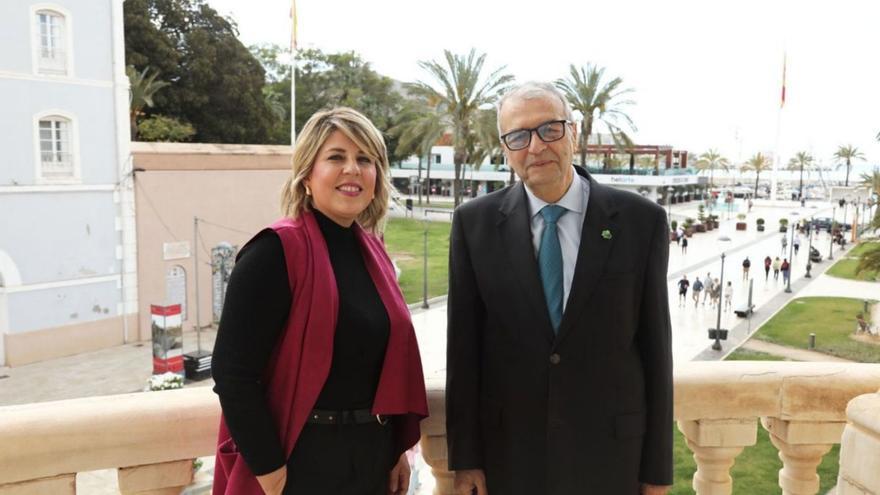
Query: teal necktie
{"x": 550, "y": 263}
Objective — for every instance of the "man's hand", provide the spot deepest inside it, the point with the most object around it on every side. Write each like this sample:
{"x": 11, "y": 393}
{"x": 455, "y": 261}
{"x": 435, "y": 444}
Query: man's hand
{"x": 647, "y": 489}
{"x": 469, "y": 481}
{"x": 273, "y": 483}
{"x": 398, "y": 483}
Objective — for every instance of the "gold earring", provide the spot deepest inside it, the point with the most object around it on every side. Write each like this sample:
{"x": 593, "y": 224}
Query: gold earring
{"x": 308, "y": 191}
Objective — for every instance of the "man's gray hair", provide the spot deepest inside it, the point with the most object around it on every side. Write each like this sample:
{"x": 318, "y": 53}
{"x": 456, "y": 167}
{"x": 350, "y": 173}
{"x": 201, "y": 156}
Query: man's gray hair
{"x": 532, "y": 90}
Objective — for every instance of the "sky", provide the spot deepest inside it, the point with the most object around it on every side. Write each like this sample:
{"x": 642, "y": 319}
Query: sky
{"x": 705, "y": 74}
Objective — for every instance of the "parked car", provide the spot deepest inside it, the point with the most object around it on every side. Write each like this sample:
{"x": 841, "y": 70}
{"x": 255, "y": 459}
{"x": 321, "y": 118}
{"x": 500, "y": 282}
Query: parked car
{"x": 815, "y": 255}
{"x": 824, "y": 223}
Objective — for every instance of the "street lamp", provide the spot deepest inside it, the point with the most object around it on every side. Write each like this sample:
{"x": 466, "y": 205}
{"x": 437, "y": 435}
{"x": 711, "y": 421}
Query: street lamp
{"x": 809, "y": 249}
{"x": 791, "y": 251}
{"x": 831, "y": 234}
{"x": 669, "y": 191}
{"x": 718, "y": 333}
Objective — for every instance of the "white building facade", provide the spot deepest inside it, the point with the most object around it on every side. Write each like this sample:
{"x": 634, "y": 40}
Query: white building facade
{"x": 67, "y": 251}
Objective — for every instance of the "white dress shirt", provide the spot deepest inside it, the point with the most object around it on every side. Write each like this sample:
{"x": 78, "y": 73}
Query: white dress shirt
{"x": 568, "y": 226}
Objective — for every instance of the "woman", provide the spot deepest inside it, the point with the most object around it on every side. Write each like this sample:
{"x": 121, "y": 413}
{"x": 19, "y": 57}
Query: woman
{"x": 316, "y": 364}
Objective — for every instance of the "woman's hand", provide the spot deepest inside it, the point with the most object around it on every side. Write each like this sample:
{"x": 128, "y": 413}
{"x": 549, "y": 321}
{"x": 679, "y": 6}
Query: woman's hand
{"x": 273, "y": 483}
{"x": 398, "y": 483}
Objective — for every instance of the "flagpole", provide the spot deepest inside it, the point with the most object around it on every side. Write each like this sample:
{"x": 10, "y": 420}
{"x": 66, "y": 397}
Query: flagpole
{"x": 293, "y": 49}
{"x": 777, "y": 157}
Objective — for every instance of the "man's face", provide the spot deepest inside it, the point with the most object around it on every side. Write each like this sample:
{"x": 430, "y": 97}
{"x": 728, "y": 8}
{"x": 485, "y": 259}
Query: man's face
{"x": 544, "y": 167}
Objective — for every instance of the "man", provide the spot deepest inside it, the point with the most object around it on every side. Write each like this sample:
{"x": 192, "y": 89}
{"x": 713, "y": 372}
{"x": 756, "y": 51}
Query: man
{"x": 683, "y": 285}
{"x": 559, "y": 365}
{"x": 698, "y": 288}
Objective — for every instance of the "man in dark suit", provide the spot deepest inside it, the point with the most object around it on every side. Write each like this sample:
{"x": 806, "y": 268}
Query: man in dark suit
{"x": 559, "y": 365}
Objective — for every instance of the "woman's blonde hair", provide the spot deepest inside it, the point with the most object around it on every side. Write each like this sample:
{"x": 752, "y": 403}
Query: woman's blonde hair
{"x": 315, "y": 132}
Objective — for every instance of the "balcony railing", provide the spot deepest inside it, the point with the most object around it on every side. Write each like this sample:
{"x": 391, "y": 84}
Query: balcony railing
{"x": 151, "y": 438}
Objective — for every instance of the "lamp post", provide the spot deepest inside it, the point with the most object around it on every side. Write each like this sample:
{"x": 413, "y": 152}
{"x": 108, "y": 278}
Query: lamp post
{"x": 669, "y": 191}
{"x": 791, "y": 252}
{"x": 809, "y": 249}
{"x": 717, "y": 332}
{"x": 831, "y": 234}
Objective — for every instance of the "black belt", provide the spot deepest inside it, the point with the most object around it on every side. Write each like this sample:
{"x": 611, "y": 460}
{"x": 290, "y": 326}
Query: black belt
{"x": 352, "y": 417}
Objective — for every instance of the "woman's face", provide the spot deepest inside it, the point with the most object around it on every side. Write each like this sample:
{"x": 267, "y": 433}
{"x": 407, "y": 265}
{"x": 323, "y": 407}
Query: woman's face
{"x": 343, "y": 179}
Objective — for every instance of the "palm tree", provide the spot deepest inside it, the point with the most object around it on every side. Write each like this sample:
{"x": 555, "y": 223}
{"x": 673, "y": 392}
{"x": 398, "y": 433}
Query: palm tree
{"x": 598, "y": 102}
{"x": 872, "y": 180}
{"x": 711, "y": 160}
{"x": 757, "y": 163}
{"x": 869, "y": 260}
{"x": 847, "y": 154}
{"x": 418, "y": 130}
{"x": 461, "y": 95}
{"x": 485, "y": 142}
{"x": 799, "y": 161}
{"x": 140, "y": 93}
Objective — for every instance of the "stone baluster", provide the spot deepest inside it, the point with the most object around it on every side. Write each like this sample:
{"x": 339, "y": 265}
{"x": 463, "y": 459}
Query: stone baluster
{"x": 167, "y": 478}
{"x": 860, "y": 448}
{"x": 801, "y": 444}
{"x": 715, "y": 444}
{"x": 433, "y": 442}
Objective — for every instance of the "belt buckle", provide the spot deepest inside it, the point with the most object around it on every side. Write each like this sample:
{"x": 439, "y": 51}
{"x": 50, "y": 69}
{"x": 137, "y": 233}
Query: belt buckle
{"x": 381, "y": 421}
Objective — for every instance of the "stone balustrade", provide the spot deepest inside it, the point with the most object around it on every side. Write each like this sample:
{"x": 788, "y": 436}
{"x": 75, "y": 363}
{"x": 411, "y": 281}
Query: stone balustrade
{"x": 152, "y": 437}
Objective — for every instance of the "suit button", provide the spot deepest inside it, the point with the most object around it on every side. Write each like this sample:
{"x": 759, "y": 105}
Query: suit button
{"x": 555, "y": 358}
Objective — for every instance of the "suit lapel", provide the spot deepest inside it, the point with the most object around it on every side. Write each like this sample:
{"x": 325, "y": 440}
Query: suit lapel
{"x": 516, "y": 233}
{"x": 592, "y": 254}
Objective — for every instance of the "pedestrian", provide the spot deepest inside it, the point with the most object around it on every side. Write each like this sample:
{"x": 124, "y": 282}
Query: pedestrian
{"x": 767, "y": 262}
{"x": 684, "y": 245}
{"x": 777, "y": 264}
{"x": 716, "y": 292}
{"x": 786, "y": 271}
{"x": 784, "y": 242}
{"x": 679, "y": 234}
{"x": 728, "y": 296}
{"x": 697, "y": 288}
{"x": 797, "y": 244}
{"x": 746, "y": 265}
{"x": 710, "y": 286}
{"x": 683, "y": 285}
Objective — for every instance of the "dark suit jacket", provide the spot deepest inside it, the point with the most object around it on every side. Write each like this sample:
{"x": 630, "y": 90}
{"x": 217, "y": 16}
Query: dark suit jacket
{"x": 588, "y": 411}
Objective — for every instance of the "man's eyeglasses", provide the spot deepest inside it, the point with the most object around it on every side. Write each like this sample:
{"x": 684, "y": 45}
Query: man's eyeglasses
{"x": 547, "y": 132}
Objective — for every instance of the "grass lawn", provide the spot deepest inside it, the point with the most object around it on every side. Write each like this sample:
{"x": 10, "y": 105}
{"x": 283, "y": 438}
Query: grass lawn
{"x": 742, "y": 354}
{"x": 846, "y": 268}
{"x": 832, "y": 319}
{"x": 404, "y": 240}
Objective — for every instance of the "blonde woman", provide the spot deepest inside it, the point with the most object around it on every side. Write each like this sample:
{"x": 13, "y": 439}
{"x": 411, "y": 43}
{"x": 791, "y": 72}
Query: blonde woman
{"x": 316, "y": 364}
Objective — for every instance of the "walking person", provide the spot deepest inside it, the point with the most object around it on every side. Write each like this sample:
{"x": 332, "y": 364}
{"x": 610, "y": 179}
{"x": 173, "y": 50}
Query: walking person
{"x": 728, "y": 296}
{"x": 716, "y": 292}
{"x": 710, "y": 286}
{"x": 697, "y": 288}
{"x": 683, "y": 285}
{"x": 767, "y": 262}
{"x": 777, "y": 264}
{"x": 797, "y": 244}
{"x": 746, "y": 265}
{"x": 684, "y": 245}
{"x": 784, "y": 242}
{"x": 786, "y": 271}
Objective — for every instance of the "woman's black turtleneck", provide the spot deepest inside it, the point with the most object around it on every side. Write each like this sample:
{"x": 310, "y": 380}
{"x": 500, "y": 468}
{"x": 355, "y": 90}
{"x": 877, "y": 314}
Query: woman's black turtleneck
{"x": 258, "y": 301}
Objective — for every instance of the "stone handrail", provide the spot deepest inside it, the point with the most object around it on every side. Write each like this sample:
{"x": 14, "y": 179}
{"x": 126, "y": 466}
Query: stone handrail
{"x": 152, "y": 437}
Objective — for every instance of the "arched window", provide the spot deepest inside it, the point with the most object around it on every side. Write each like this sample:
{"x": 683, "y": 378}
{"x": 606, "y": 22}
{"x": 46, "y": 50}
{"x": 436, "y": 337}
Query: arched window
{"x": 52, "y": 50}
{"x": 56, "y": 148}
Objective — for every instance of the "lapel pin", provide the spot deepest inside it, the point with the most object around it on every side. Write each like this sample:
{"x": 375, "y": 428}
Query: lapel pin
{"x": 606, "y": 234}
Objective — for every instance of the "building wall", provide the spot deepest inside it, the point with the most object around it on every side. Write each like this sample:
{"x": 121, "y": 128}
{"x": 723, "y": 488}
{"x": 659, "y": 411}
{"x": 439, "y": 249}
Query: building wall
{"x": 234, "y": 190}
{"x": 63, "y": 240}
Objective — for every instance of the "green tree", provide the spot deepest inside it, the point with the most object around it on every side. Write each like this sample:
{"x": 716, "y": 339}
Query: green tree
{"x": 598, "y": 101}
{"x": 325, "y": 80}
{"x": 418, "y": 129}
{"x": 276, "y": 91}
{"x": 800, "y": 161}
{"x": 142, "y": 87}
{"x": 216, "y": 82}
{"x": 711, "y": 160}
{"x": 869, "y": 260}
{"x": 757, "y": 163}
{"x": 462, "y": 91}
{"x": 164, "y": 129}
{"x": 845, "y": 155}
